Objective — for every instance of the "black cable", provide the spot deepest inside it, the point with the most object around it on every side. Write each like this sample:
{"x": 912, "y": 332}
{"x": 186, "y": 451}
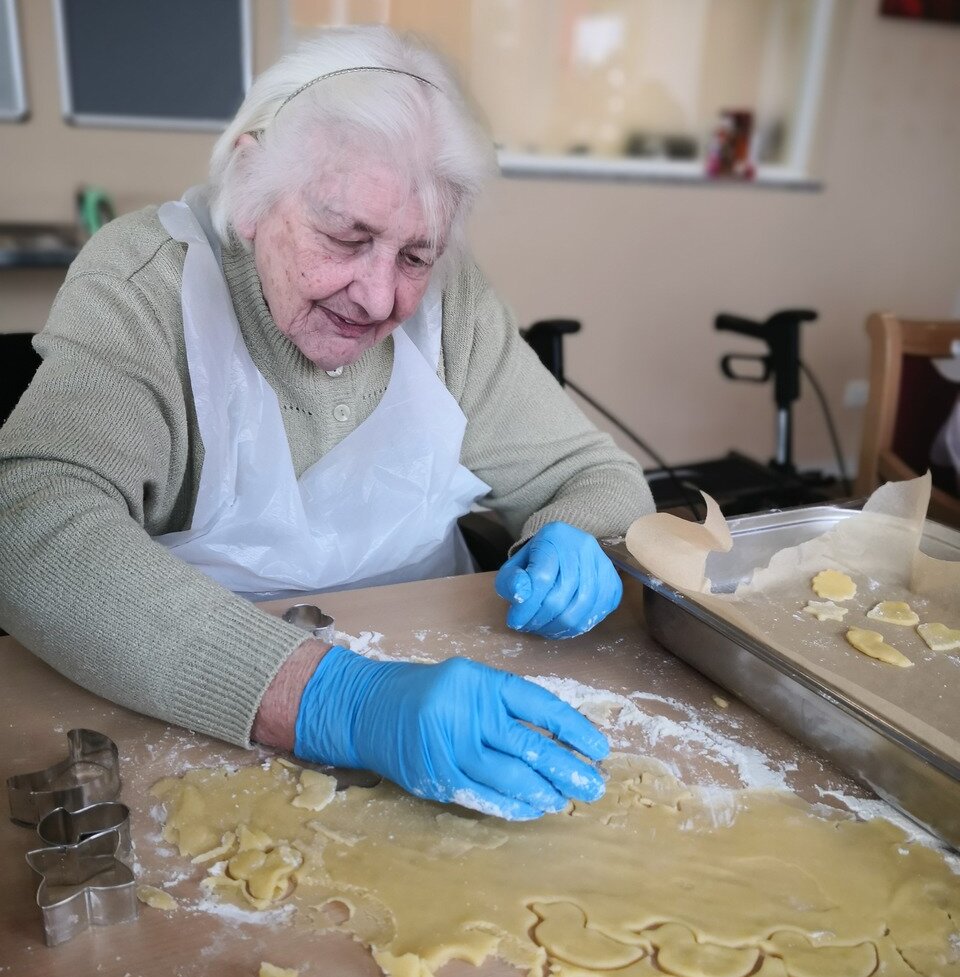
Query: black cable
{"x": 828, "y": 417}
{"x": 671, "y": 474}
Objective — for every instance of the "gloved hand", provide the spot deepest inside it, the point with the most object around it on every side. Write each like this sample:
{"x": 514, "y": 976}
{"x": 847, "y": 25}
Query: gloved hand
{"x": 450, "y": 732}
{"x": 560, "y": 583}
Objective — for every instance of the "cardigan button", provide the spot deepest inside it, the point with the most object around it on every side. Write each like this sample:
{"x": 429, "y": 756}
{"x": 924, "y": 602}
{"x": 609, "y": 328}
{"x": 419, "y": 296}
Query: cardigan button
{"x": 341, "y": 412}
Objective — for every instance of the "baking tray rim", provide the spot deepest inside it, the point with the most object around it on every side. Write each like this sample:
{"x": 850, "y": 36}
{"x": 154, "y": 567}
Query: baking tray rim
{"x": 616, "y": 549}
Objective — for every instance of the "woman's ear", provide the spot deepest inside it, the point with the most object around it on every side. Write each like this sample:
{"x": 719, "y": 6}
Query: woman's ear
{"x": 246, "y": 143}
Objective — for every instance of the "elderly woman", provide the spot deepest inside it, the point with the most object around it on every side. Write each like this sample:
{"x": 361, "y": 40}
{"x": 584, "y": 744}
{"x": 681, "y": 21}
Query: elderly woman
{"x": 294, "y": 379}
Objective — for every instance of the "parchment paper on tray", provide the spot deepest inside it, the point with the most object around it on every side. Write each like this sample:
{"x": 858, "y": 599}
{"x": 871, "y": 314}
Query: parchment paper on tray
{"x": 879, "y": 548}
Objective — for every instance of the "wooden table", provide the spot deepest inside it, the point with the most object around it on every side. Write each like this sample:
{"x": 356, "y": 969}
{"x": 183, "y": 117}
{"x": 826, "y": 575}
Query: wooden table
{"x": 431, "y": 620}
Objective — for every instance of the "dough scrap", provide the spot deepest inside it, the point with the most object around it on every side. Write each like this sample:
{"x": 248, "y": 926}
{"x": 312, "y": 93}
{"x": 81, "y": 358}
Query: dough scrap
{"x": 825, "y": 610}
{"x": 270, "y": 970}
{"x": 735, "y": 882}
{"x": 871, "y": 643}
{"x": 894, "y": 612}
{"x": 315, "y": 790}
{"x": 227, "y": 842}
{"x": 248, "y": 838}
{"x": 939, "y": 637}
{"x": 833, "y": 585}
{"x": 156, "y": 898}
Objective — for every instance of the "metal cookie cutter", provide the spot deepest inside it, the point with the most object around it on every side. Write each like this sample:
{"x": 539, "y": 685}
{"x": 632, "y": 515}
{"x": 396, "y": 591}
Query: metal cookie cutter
{"x": 61, "y": 827}
{"x": 309, "y": 617}
{"x": 90, "y": 774}
{"x": 83, "y": 885}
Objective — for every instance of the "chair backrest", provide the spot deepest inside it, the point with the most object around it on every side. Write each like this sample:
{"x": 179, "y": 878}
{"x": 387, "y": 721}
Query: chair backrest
{"x": 909, "y": 401}
{"x": 18, "y": 363}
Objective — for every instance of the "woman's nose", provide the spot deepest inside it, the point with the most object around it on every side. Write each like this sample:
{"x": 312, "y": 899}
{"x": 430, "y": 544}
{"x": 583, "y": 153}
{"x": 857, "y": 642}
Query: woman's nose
{"x": 374, "y": 286}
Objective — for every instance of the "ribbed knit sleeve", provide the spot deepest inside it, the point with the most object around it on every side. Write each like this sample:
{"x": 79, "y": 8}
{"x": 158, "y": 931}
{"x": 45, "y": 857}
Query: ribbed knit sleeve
{"x": 96, "y": 454}
{"x": 525, "y": 437}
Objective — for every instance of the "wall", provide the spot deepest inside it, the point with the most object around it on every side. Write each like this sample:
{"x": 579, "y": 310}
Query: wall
{"x": 644, "y": 266}
{"x": 44, "y": 160}
{"x": 647, "y": 266}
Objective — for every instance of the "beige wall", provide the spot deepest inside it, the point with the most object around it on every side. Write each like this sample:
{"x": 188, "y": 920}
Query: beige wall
{"x": 644, "y": 266}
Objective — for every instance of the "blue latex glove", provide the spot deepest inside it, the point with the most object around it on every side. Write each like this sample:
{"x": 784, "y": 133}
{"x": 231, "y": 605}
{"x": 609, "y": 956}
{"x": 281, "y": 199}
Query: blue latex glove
{"x": 450, "y": 732}
{"x": 560, "y": 583}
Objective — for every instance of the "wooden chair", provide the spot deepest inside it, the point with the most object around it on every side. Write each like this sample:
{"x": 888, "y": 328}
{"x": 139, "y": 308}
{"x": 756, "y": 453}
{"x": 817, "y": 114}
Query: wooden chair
{"x": 909, "y": 401}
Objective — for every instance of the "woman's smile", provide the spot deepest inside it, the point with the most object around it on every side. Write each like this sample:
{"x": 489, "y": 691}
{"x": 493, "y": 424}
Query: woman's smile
{"x": 349, "y": 328}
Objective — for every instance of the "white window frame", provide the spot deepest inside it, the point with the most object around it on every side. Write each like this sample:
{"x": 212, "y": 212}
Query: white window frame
{"x": 795, "y": 173}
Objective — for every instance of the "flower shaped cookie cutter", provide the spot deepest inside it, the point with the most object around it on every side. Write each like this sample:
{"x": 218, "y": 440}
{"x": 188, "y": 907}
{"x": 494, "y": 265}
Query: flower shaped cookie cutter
{"x": 83, "y": 885}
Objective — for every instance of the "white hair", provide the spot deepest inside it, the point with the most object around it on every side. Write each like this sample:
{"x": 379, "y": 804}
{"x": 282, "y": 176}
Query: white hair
{"x": 414, "y": 116}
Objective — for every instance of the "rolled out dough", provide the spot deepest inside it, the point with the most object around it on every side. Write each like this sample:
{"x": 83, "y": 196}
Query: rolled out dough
{"x": 656, "y": 877}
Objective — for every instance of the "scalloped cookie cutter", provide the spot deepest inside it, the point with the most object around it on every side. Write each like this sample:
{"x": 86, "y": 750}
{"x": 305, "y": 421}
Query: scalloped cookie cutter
{"x": 309, "y": 617}
{"x": 89, "y": 775}
{"x": 83, "y": 885}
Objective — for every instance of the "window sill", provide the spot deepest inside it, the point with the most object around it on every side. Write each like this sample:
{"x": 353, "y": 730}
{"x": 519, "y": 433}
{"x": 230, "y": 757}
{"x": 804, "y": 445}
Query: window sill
{"x": 684, "y": 172}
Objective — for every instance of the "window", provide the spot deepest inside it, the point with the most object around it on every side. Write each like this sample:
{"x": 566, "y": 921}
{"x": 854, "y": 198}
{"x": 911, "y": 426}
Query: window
{"x": 624, "y": 87}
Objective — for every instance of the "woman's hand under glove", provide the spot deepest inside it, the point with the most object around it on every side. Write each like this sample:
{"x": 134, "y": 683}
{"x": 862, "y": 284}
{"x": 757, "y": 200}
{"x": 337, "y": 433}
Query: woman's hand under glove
{"x": 560, "y": 583}
{"x": 450, "y": 732}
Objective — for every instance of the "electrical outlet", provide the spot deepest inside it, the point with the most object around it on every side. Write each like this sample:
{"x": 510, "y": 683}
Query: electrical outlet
{"x": 855, "y": 394}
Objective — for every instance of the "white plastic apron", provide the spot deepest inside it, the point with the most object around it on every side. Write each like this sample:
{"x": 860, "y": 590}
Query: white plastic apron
{"x": 380, "y": 507}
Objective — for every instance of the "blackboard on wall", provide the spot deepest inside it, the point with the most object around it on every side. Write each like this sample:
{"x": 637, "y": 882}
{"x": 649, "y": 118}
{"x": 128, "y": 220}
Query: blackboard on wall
{"x": 175, "y": 64}
{"x": 13, "y": 99}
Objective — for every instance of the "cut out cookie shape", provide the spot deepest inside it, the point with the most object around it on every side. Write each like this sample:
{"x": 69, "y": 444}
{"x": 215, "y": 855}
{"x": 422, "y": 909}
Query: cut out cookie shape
{"x": 871, "y": 643}
{"x": 939, "y": 637}
{"x": 678, "y": 952}
{"x": 564, "y": 934}
{"x": 825, "y": 610}
{"x": 803, "y": 959}
{"x": 894, "y": 612}
{"x": 833, "y": 585}
{"x": 262, "y": 877}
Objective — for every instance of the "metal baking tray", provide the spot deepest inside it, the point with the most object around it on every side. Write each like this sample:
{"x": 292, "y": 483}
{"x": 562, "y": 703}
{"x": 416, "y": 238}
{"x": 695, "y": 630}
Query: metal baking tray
{"x": 923, "y": 784}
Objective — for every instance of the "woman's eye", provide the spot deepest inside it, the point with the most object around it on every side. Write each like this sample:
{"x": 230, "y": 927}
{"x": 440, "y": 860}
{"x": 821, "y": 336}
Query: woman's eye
{"x": 349, "y": 245}
{"x": 416, "y": 261}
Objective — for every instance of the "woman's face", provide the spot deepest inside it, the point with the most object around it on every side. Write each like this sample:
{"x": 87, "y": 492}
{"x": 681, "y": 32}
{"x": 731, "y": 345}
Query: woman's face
{"x": 344, "y": 262}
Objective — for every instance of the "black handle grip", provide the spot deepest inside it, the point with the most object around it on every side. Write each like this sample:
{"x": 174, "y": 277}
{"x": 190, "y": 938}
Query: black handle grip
{"x": 727, "y": 362}
{"x": 781, "y": 333}
{"x": 548, "y": 328}
{"x": 546, "y": 339}
{"x": 734, "y": 323}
